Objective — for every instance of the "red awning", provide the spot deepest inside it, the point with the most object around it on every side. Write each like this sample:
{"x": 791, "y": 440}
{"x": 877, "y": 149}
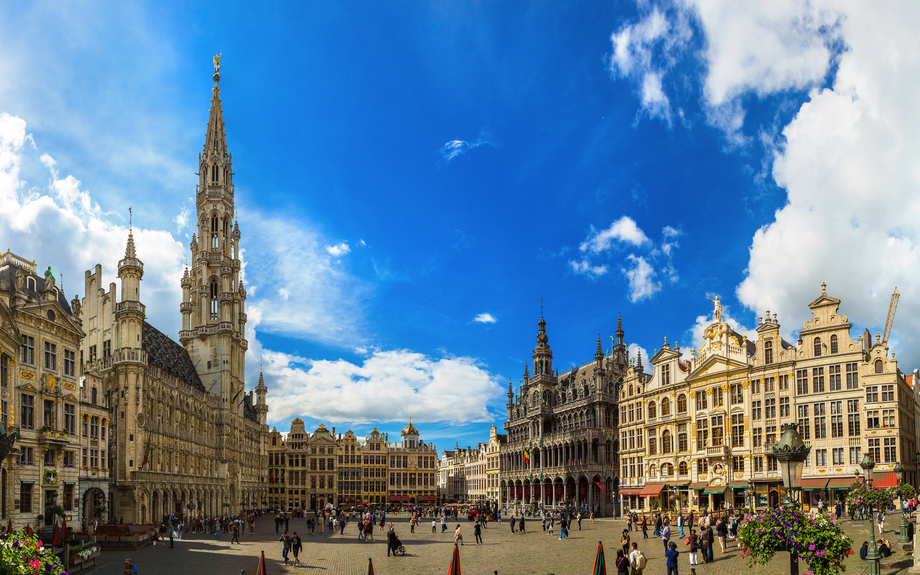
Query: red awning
{"x": 841, "y": 483}
{"x": 884, "y": 479}
{"x": 814, "y": 483}
{"x": 651, "y": 490}
{"x": 630, "y": 491}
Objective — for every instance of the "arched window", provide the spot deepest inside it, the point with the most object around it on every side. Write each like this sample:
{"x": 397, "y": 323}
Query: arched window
{"x": 214, "y": 300}
{"x": 652, "y": 470}
{"x": 651, "y": 410}
{"x": 879, "y": 366}
{"x": 214, "y": 173}
{"x": 817, "y": 347}
{"x": 630, "y": 391}
{"x": 767, "y": 352}
{"x": 666, "y": 442}
{"x": 681, "y": 403}
{"x": 665, "y": 406}
{"x": 833, "y": 344}
{"x": 214, "y": 244}
{"x": 682, "y": 468}
{"x": 30, "y": 284}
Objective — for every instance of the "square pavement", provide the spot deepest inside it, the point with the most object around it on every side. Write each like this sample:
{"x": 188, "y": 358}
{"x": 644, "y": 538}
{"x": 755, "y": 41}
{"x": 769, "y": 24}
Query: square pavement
{"x": 533, "y": 552}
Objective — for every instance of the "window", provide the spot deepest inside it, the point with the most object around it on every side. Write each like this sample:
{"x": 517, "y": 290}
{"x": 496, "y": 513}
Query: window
{"x": 838, "y": 454}
{"x": 701, "y": 401}
{"x": 784, "y": 407}
{"x": 758, "y": 464}
{"x": 879, "y": 366}
{"x": 69, "y": 361}
{"x": 4, "y": 412}
{"x": 107, "y": 348}
{"x": 855, "y": 455}
{"x": 666, "y": 442}
{"x": 817, "y": 380}
{"x": 820, "y": 420}
{"x": 836, "y": 419}
{"x": 213, "y": 300}
{"x": 665, "y": 406}
{"x": 682, "y": 468}
{"x": 891, "y": 452}
{"x": 25, "y": 456}
{"x": 27, "y": 411}
{"x": 681, "y": 403}
{"x": 755, "y": 386}
{"x": 833, "y": 344}
{"x": 817, "y": 347}
{"x": 852, "y": 376}
{"x": 771, "y": 464}
{"x": 757, "y": 437}
{"x": 737, "y": 464}
{"x": 93, "y": 396}
{"x": 853, "y": 424}
{"x": 651, "y": 410}
{"x": 784, "y": 383}
{"x": 804, "y": 428}
{"x": 632, "y": 439}
{"x": 755, "y": 410}
{"x": 888, "y": 418}
{"x": 682, "y": 442}
{"x": 833, "y": 376}
{"x": 665, "y": 375}
{"x": 702, "y": 466}
{"x": 50, "y": 356}
{"x": 738, "y": 430}
{"x": 801, "y": 381}
{"x": 702, "y": 433}
{"x": 821, "y": 457}
{"x": 735, "y": 396}
{"x": 769, "y": 384}
{"x": 872, "y": 394}
{"x": 888, "y": 393}
{"x": 4, "y": 371}
{"x": 652, "y": 443}
{"x": 25, "y": 498}
{"x": 70, "y": 418}
{"x": 27, "y": 350}
{"x": 768, "y": 352}
{"x": 68, "y": 459}
{"x": 770, "y": 408}
{"x": 717, "y": 423}
{"x": 49, "y": 458}
{"x": 872, "y": 419}
{"x": 717, "y": 397}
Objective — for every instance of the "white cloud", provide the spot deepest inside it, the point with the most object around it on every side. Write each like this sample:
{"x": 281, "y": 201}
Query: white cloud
{"x": 583, "y": 267}
{"x": 485, "y": 318}
{"x": 181, "y": 219}
{"x": 455, "y": 148}
{"x": 704, "y": 321}
{"x": 641, "y": 276}
{"x": 338, "y": 250}
{"x": 623, "y": 230}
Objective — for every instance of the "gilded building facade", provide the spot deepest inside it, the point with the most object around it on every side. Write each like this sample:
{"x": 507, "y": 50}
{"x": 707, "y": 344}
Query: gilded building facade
{"x": 473, "y": 475}
{"x": 40, "y": 394}
{"x": 562, "y": 431}
{"x": 698, "y": 432}
{"x": 184, "y": 436}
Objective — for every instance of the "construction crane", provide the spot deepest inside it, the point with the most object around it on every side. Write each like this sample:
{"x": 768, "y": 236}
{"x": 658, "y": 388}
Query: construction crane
{"x": 891, "y": 310}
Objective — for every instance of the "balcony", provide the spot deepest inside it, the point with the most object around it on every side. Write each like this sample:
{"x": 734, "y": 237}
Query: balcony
{"x": 49, "y": 436}
{"x": 718, "y": 451}
{"x": 132, "y": 306}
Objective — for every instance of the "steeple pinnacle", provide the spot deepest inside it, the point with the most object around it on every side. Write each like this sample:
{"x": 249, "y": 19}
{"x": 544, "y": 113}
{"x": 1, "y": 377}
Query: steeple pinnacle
{"x": 129, "y": 249}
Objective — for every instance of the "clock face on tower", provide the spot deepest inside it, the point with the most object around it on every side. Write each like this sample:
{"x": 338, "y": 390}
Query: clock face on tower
{"x": 141, "y": 419}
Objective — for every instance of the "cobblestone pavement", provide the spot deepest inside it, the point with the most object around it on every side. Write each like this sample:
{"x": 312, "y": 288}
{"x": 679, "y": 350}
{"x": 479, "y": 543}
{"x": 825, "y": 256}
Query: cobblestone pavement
{"x": 532, "y": 553}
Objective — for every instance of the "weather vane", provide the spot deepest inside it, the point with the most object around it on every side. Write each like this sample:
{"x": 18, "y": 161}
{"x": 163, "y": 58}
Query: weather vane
{"x": 130, "y": 219}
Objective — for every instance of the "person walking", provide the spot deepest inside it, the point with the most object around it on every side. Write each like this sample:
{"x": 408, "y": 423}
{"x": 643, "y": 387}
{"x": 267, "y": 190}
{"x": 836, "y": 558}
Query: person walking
{"x": 644, "y": 527}
{"x": 458, "y": 536}
{"x": 563, "y": 528}
{"x": 710, "y": 544}
{"x": 624, "y": 541}
{"x": 680, "y": 524}
{"x": 391, "y": 541}
{"x": 513, "y": 523}
{"x": 477, "y": 531}
{"x": 285, "y": 546}
{"x": 671, "y": 556}
{"x": 444, "y": 524}
{"x": 521, "y": 524}
{"x": 629, "y": 521}
{"x": 235, "y": 530}
{"x": 296, "y": 546}
{"x": 434, "y": 525}
{"x": 694, "y": 547}
{"x": 880, "y": 520}
{"x": 665, "y": 534}
{"x": 637, "y": 560}
{"x": 621, "y": 563}
{"x": 721, "y": 532}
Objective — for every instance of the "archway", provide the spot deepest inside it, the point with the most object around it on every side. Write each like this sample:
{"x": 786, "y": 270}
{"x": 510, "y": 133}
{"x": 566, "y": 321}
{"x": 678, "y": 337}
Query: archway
{"x": 94, "y": 499}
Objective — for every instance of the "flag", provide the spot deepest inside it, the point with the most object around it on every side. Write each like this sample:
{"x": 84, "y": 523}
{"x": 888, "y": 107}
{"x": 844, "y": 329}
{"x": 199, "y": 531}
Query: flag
{"x": 261, "y": 570}
{"x": 454, "y": 568}
{"x": 271, "y": 476}
{"x": 146, "y": 452}
{"x": 370, "y": 566}
{"x": 233, "y": 401}
{"x": 29, "y": 529}
{"x": 599, "y": 486}
{"x": 526, "y": 456}
{"x": 57, "y": 538}
{"x": 600, "y": 567}
{"x": 63, "y": 530}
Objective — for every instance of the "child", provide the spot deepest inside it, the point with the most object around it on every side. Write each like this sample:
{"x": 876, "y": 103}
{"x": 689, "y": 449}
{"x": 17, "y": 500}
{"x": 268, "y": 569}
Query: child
{"x": 671, "y": 555}
{"x": 434, "y": 525}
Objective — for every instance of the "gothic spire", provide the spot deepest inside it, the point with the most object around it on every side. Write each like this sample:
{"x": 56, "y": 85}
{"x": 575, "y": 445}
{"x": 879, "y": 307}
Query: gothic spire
{"x": 215, "y": 143}
{"x": 599, "y": 354}
{"x": 129, "y": 249}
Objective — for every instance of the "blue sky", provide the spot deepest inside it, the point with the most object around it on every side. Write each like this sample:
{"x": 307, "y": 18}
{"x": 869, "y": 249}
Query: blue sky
{"x": 414, "y": 178}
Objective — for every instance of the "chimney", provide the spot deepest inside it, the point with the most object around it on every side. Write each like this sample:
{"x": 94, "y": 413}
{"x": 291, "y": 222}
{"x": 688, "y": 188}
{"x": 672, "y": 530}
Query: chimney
{"x": 333, "y": 432}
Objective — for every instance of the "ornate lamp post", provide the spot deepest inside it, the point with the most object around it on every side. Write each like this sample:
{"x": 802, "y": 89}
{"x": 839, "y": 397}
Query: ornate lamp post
{"x": 791, "y": 452}
{"x": 872, "y": 558}
{"x": 902, "y": 526}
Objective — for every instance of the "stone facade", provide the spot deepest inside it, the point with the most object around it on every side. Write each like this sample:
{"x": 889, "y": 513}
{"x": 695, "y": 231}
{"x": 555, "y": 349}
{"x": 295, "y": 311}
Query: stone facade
{"x": 698, "y": 432}
{"x": 473, "y": 475}
{"x": 562, "y": 431}
{"x": 184, "y": 437}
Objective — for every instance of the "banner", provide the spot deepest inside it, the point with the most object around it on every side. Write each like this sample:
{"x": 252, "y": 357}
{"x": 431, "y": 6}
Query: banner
{"x": 599, "y": 486}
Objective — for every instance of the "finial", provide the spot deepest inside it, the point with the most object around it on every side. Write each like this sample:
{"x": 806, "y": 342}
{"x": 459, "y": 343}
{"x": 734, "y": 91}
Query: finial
{"x": 130, "y": 220}
{"x": 217, "y": 63}
{"x": 823, "y": 288}
{"x": 541, "y": 306}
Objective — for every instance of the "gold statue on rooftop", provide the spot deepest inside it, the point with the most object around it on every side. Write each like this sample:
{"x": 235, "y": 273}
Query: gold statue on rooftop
{"x": 217, "y": 64}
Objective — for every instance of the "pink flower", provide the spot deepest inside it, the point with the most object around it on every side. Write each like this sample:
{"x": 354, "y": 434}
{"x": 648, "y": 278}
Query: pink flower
{"x": 34, "y": 564}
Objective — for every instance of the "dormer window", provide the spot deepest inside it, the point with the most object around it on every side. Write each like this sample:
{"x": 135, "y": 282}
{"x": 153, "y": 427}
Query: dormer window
{"x": 833, "y": 344}
{"x": 666, "y": 374}
{"x": 767, "y": 352}
{"x": 30, "y": 283}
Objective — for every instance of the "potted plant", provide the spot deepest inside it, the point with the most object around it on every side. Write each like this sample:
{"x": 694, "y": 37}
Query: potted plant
{"x": 21, "y": 553}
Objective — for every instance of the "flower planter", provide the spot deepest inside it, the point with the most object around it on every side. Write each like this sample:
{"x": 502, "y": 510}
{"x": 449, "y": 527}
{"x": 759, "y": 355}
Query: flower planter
{"x": 80, "y": 563}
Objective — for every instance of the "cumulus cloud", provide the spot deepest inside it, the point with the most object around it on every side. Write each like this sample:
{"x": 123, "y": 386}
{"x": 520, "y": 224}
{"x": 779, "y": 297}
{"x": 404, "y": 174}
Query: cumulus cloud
{"x": 485, "y": 318}
{"x": 456, "y": 148}
{"x": 338, "y": 250}
{"x": 623, "y": 230}
{"x": 583, "y": 267}
{"x": 641, "y": 276}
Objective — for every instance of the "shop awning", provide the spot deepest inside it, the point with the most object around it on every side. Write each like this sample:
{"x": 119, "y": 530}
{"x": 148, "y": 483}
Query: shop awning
{"x": 738, "y": 485}
{"x": 840, "y": 483}
{"x": 651, "y": 490}
{"x": 714, "y": 489}
{"x": 683, "y": 484}
{"x": 630, "y": 491}
{"x": 698, "y": 485}
{"x": 814, "y": 484}
{"x": 884, "y": 479}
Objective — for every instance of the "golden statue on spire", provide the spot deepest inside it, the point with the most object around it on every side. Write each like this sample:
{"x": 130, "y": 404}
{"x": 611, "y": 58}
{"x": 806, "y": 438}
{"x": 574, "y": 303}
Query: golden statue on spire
{"x": 217, "y": 64}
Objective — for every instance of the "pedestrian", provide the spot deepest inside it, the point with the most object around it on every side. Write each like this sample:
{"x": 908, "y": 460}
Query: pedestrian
{"x": 563, "y": 528}
{"x": 236, "y": 534}
{"x": 477, "y": 531}
{"x": 637, "y": 560}
{"x": 880, "y": 520}
{"x": 657, "y": 531}
{"x": 458, "y": 536}
{"x": 624, "y": 541}
{"x": 622, "y": 563}
{"x": 694, "y": 546}
{"x": 392, "y": 541}
{"x": 552, "y": 523}
{"x": 285, "y": 546}
{"x": 665, "y": 534}
{"x": 444, "y": 524}
{"x": 671, "y": 555}
{"x": 680, "y": 524}
{"x": 710, "y": 544}
{"x": 644, "y": 527}
{"x": 130, "y": 566}
{"x": 434, "y": 525}
{"x": 171, "y": 534}
{"x": 296, "y": 546}
{"x": 521, "y": 524}
{"x": 721, "y": 532}
{"x": 579, "y": 523}
{"x": 513, "y": 523}
{"x": 629, "y": 521}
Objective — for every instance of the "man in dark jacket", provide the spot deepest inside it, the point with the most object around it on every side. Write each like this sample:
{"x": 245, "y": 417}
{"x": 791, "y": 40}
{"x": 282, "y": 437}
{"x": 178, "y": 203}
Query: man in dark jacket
{"x": 392, "y": 541}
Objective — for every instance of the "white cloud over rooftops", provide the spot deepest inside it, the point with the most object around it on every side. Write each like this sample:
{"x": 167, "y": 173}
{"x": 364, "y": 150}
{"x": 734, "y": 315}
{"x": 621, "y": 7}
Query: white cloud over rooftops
{"x": 485, "y": 318}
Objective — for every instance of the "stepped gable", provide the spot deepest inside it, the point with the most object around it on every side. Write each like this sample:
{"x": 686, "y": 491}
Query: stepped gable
{"x": 169, "y": 356}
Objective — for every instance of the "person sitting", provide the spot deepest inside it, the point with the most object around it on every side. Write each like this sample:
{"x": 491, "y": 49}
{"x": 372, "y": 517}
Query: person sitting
{"x": 864, "y": 550}
{"x": 883, "y": 549}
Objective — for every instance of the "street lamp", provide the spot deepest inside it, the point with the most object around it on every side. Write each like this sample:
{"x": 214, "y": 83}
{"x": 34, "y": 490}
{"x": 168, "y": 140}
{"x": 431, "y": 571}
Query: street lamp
{"x": 902, "y": 526}
{"x": 872, "y": 558}
{"x": 791, "y": 453}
